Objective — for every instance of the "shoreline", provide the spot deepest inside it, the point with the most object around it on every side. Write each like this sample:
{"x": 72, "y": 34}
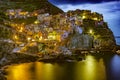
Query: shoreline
{"x": 18, "y": 58}
{"x": 21, "y": 57}
{"x": 30, "y": 59}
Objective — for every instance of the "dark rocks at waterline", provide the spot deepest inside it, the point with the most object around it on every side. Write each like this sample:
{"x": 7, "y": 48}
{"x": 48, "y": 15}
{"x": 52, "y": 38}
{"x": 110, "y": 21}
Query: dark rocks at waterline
{"x": 6, "y": 47}
{"x": 14, "y": 58}
{"x": 2, "y": 75}
{"x": 62, "y": 58}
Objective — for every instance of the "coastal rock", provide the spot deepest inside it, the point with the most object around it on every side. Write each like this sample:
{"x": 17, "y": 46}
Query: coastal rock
{"x": 80, "y": 41}
{"x": 17, "y": 58}
{"x": 95, "y": 31}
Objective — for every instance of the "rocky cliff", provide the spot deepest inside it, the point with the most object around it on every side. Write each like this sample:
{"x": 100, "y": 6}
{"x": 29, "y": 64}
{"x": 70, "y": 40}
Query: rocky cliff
{"x": 95, "y": 31}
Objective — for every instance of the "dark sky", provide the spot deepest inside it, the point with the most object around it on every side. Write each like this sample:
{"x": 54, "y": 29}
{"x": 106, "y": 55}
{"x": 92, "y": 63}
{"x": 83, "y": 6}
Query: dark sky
{"x": 79, "y": 1}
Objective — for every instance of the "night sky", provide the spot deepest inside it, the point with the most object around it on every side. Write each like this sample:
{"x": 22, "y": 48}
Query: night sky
{"x": 79, "y": 1}
{"x": 109, "y": 8}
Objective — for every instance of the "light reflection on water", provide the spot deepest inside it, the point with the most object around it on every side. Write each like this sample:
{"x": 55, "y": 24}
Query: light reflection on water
{"x": 20, "y": 72}
{"x": 92, "y": 68}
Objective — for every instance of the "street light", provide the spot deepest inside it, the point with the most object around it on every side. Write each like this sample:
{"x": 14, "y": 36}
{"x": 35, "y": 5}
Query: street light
{"x": 28, "y": 38}
{"x": 36, "y": 22}
{"x": 90, "y": 31}
{"x": 83, "y": 17}
{"x": 16, "y": 37}
{"x": 21, "y": 29}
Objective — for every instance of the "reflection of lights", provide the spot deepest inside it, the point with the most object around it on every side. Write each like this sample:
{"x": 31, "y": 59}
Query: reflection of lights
{"x": 39, "y": 71}
{"x": 44, "y": 71}
{"x": 93, "y": 67}
{"x": 49, "y": 71}
{"x": 86, "y": 68}
{"x": 20, "y": 72}
{"x": 90, "y": 61}
{"x": 89, "y": 58}
{"x": 90, "y": 68}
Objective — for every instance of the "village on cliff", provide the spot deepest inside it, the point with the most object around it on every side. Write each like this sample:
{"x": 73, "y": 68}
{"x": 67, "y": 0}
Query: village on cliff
{"x": 41, "y": 33}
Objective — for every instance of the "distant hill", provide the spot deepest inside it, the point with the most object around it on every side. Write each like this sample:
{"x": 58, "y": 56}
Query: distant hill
{"x": 27, "y": 6}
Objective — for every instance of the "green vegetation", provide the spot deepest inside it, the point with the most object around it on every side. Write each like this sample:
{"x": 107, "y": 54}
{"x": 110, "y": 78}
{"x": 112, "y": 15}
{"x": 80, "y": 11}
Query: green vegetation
{"x": 5, "y": 33}
{"x": 26, "y": 21}
{"x": 30, "y": 5}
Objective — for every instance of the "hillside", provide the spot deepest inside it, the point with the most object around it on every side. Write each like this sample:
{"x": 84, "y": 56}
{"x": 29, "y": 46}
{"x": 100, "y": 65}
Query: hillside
{"x": 29, "y": 5}
{"x": 42, "y": 27}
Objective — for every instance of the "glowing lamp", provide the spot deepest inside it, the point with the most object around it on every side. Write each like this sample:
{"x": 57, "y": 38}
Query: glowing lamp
{"x": 90, "y": 31}
{"x": 28, "y": 38}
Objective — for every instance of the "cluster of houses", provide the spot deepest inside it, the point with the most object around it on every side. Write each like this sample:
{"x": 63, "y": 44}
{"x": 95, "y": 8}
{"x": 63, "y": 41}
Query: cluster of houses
{"x": 19, "y": 13}
{"x": 52, "y": 27}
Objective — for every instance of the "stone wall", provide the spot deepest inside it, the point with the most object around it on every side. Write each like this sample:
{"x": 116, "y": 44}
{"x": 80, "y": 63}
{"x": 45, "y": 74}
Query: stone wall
{"x": 80, "y": 41}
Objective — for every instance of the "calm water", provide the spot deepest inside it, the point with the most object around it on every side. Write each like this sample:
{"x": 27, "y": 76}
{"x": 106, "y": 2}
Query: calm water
{"x": 93, "y": 68}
